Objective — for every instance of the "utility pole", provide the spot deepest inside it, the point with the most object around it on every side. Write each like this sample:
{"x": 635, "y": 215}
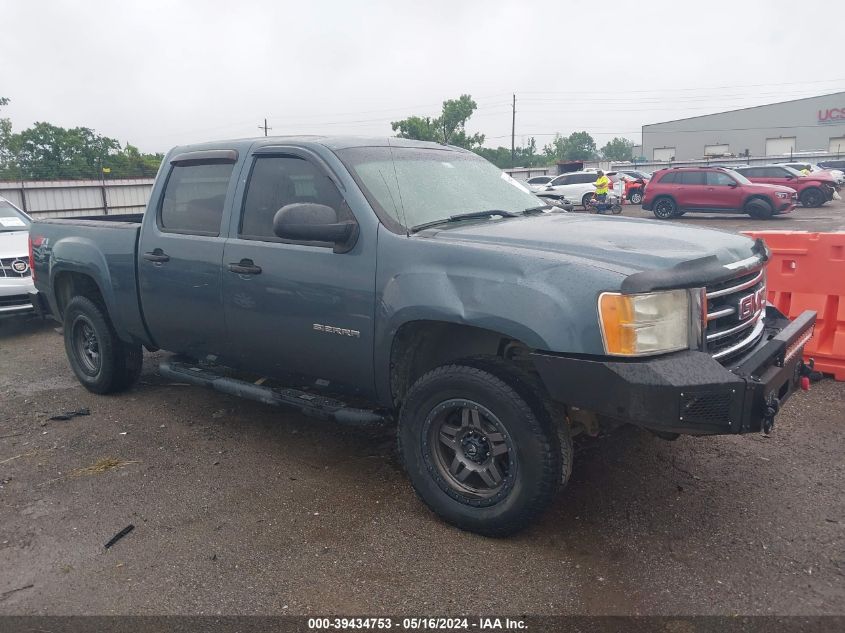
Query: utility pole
{"x": 513, "y": 133}
{"x": 264, "y": 127}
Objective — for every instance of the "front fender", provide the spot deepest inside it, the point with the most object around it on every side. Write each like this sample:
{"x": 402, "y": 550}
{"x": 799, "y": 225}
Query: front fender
{"x": 546, "y": 301}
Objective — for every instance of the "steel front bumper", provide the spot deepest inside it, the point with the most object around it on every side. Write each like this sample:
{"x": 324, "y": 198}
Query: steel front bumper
{"x": 688, "y": 392}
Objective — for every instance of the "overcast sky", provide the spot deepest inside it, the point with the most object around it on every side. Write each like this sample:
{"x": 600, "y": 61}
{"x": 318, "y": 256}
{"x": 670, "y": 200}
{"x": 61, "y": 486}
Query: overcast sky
{"x": 160, "y": 73}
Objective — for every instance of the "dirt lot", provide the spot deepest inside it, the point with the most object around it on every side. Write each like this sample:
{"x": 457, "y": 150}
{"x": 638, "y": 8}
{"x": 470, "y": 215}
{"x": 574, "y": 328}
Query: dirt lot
{"x": 240, "y": 508}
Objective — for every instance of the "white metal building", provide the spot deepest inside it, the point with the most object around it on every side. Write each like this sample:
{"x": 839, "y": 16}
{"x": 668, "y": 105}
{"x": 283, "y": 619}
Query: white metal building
{"x": 813, "y": 124}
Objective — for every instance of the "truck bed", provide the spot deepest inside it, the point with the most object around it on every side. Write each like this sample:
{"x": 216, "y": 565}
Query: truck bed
{"x": 101, "y": 248}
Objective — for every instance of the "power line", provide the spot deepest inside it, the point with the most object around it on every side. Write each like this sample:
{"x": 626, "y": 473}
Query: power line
{"x": 788, "y": 83}
{"x": 728, "y": 129}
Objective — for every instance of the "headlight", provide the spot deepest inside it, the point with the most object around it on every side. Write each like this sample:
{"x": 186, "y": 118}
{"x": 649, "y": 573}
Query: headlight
{"x": 643, "y": 324}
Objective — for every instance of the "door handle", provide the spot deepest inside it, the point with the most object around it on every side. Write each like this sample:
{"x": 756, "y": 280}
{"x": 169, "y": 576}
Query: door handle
{"x": 245, "y": 267}
{"x": 158, "y": 256}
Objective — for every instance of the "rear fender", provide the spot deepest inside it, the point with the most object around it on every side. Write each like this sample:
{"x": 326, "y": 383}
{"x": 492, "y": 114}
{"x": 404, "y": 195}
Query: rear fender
{"x": 82, "y": 256}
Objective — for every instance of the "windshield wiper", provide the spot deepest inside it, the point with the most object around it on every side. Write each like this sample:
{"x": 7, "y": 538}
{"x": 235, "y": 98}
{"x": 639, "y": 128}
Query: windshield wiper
{"x": 540, "y": 209}
{"x": 489, "y": 213}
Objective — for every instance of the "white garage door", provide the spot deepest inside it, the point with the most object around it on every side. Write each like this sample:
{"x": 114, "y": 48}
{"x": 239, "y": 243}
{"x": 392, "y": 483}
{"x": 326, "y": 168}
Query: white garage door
{"x": 664, "y": 153}
{"x": 837, "y": 145}
{"x": 716, "y": 150}
{"x": 780, "y": 146}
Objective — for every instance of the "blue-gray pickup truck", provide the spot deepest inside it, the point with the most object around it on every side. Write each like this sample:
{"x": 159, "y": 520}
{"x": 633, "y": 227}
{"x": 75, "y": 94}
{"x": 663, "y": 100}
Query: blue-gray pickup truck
{"x": 380, "y": 280}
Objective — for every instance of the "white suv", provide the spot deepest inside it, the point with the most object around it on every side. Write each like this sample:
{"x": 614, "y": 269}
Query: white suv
{"x": 577, "y": 186}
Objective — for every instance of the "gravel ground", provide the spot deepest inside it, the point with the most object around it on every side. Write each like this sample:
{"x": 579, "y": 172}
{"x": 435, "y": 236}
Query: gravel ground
{"x": 243, "y": 509}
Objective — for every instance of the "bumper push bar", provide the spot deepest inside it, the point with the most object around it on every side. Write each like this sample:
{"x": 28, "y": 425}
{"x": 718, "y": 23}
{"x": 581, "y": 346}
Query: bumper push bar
{"x": 688, "y": 392}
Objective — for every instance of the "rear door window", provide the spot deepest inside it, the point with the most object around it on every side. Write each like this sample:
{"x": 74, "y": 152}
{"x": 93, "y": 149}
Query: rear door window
{"x": 691, "y": 177}
{"x": 668, "y": 178}
{"x": 194, "y": 197}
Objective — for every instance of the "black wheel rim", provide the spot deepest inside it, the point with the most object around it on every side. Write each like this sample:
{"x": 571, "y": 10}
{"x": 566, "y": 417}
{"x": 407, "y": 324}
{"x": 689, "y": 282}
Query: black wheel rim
{"x": 585, "y": 201}
{"x": 470, "y": 449}
{"x": 664, "y": 209}
{"x": 86, "y": 346}
{"x": 812, "y": 199}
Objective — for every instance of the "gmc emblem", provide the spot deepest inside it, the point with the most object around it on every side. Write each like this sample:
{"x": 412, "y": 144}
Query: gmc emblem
{"x": 749, "y": 305}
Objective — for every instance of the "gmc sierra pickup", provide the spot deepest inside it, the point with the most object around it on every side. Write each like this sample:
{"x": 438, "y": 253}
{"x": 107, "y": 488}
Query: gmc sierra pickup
{"x": 377, "y": 280}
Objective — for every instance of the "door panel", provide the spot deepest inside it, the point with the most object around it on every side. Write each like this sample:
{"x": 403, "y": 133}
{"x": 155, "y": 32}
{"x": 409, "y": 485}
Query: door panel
{"x": 309, "y": 308}
{"x": 719, "y": 192}
{"x": 180, "y": 257}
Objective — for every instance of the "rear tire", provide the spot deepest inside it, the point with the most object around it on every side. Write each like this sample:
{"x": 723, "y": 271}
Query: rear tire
{"x": 664, "y": 208}
{"x": 585, "y": 200}
{"x": 636, "y": 197}
{"x": 480, "y": 448}
{"x": 812, "y": 198}
{"x": 101, "y": 361}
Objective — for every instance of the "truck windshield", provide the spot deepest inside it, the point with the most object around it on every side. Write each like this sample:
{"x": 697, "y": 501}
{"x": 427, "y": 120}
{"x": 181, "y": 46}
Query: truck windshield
{"x": 419, "y": 186}
{"x": 11, "y": 219}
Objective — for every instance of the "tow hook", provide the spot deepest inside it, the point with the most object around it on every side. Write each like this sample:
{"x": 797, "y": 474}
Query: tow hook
{"x": 769, "y": 413}
{"x": 807, "y": 374}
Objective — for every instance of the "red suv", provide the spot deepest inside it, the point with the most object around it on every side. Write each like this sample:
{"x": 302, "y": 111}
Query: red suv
{"x": 672, "y": 192}
{"x": 813, "y": 190}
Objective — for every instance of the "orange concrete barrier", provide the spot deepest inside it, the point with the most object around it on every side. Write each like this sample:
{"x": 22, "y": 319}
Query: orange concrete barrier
{"x": 807, "y": 272}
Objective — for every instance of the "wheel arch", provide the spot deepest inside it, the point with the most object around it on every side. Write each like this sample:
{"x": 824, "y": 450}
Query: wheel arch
{"x": 757, "y": 196}
{"x": 420, "y": 346}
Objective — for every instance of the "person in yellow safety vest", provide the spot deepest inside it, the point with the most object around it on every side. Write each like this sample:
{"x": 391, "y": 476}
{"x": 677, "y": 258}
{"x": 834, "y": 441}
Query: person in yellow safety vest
{"x": 806, "y": 170}
{"x": 602, "y": 183}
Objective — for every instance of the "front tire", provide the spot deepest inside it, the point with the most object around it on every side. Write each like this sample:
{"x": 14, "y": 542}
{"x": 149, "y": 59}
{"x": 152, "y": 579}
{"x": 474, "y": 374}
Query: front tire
{"x": 101, "y": 361}
{"x": 480, "y": 448}
{"x": 812, "y": 198}
{"x": 585, "y": 200}
{"x": 759, "y": 209}
{"x": 664, "y": 208}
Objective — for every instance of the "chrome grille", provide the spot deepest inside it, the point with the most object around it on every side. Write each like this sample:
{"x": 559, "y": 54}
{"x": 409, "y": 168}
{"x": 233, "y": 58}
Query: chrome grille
{"x": 735, "y": 311}
{"x": 10, "y": 265}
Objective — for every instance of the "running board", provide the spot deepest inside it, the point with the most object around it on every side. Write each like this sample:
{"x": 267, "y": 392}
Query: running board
{"x": 310, "y": 404}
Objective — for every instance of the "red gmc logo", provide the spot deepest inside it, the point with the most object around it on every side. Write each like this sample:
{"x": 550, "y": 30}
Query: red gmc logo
{"x": 749, "y": 305}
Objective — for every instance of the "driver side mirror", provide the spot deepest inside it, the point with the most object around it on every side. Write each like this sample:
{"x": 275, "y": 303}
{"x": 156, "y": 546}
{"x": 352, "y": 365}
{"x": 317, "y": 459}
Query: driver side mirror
{"x": 733, "y": 184}
{"x": 310, "y": 222}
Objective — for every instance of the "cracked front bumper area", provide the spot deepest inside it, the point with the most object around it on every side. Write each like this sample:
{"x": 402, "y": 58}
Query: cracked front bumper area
{"x": 687, "y": 392}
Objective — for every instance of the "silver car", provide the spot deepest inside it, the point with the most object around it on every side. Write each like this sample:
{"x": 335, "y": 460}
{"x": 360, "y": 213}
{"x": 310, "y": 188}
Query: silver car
{"x": 15, "y": 274}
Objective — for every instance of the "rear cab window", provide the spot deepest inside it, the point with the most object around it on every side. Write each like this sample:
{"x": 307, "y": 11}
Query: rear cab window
{"x": 194, "y": 197}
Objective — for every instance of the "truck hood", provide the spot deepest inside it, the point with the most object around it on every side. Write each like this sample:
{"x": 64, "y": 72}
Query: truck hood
{"x": 623, "y": 245}
{"x": 766, "y": 187}
{"x": 14, "y": 244}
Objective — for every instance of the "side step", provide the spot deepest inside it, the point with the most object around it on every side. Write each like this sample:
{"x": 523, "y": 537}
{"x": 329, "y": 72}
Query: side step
{"x": 310, "y": 404}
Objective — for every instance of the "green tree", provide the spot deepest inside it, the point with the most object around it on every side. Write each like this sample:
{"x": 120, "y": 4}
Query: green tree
{"x": 448, "y": 128}
{"x": 576, "y": 146}
{"x": 618, "y": 149}
{"x": 6, "y": 162}
{"x": 526, "y": 156}
{"x": 45, "y": 151}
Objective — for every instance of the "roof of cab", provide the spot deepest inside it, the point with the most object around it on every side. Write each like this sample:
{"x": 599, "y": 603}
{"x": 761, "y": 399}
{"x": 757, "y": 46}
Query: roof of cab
{"x": 331, "y": 142}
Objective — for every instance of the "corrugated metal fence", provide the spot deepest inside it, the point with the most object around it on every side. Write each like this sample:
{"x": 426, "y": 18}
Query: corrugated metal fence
{"x": 68, "y": 198}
